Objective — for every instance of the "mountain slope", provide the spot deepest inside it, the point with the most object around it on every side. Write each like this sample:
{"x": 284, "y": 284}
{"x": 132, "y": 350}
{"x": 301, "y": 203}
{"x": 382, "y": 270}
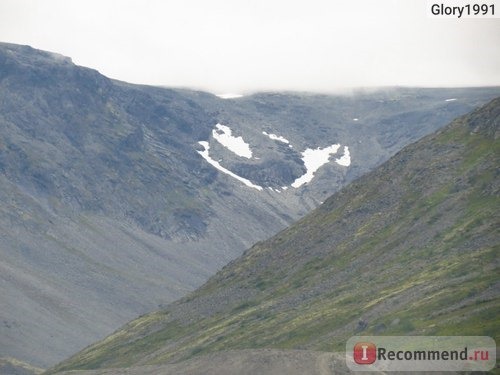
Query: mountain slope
{"x": 108, "y": 208}
{"x": 410, "y": 248}
{"x": 244, "y": 362}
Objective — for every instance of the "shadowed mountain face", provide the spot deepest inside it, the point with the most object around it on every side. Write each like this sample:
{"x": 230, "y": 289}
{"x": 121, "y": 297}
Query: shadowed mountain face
{"x": 110, "y": 206}
{"x": 409, "y": 249}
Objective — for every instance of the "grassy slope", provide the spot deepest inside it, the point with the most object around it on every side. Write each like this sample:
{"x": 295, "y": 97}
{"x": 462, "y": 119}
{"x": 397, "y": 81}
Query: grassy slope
{"x": 411, "y": 248}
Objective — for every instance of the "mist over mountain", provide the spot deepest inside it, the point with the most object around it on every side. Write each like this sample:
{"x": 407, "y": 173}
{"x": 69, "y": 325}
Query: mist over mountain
{"x": 408, "y": 249}
{"x": 111, "y": 207}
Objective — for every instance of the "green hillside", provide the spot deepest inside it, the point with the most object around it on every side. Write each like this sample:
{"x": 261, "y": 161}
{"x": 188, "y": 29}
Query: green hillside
{"x": 409, "y": 249}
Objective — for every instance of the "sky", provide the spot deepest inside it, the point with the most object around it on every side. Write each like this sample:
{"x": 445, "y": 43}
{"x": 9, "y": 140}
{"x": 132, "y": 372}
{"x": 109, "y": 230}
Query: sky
{"x": 242, "y": 46}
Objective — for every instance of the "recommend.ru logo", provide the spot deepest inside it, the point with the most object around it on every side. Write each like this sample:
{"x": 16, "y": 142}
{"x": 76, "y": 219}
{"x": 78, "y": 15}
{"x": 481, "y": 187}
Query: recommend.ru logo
{"x": 365, "y": 353}
{"x": 421, "y": 353}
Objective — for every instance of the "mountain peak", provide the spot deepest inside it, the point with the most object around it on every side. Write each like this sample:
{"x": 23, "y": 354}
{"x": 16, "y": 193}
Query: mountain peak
{"x": 33, "y": 57}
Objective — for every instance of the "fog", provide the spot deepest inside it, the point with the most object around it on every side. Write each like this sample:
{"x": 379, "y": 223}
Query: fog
{"x": 240, "y": 46}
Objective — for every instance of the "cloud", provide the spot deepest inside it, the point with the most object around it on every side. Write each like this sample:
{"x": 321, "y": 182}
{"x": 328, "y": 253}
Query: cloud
{"x": 243, "y": 45}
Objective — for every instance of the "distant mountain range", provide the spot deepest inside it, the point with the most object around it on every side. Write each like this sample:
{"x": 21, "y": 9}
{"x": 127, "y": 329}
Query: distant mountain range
{"x": 408, "y": 249}
{"x": 116, "y": 199}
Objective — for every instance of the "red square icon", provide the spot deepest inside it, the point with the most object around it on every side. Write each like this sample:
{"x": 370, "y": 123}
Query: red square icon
{"x": 365, "y": 353}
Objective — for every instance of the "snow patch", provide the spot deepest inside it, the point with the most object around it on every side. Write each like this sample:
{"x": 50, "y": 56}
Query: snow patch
{"x": 229, "y": 96}
{"x": 450, "y": 100}
{"x": 205, "y": 154}
{"x": 345, "y": 160}
{"x": 223, "y": 135}
{"x": 313, "y": 160}
{"x": 273, "y": 189}
{"x": 275, "y": 137}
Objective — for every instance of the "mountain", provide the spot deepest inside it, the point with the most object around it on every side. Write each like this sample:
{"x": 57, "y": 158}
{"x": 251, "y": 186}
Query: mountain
{"x": 11, "y": 366}
{"x": 408, "y": 249}
{"x": 116, "y": 199}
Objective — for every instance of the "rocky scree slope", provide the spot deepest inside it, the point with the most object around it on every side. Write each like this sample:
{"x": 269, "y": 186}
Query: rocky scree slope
{"x": 108, "y": 210}
{"x": 409, "y": 249}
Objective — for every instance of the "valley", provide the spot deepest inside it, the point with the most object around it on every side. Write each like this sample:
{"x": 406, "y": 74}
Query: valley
{"x": 408, "y": 249}
{"x": 110, "y": 207}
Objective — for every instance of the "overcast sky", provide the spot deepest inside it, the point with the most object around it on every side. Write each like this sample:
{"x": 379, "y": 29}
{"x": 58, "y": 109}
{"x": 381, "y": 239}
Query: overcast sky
{"x": 233, "y": 46}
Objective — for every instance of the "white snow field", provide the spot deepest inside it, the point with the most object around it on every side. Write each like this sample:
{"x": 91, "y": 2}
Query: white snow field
{"x": 205, "y": 154}
{"x": 223, "y": 134}
{"x": 313, "y": 160}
